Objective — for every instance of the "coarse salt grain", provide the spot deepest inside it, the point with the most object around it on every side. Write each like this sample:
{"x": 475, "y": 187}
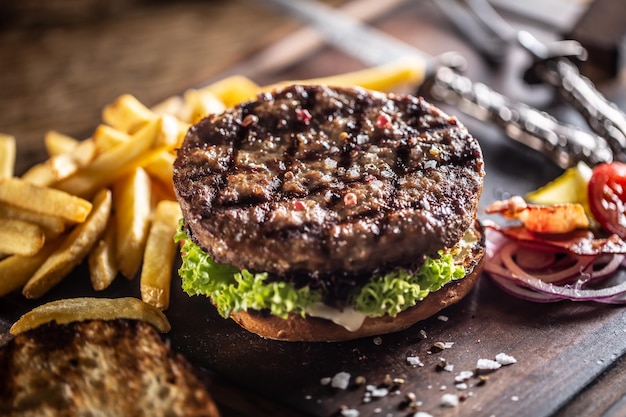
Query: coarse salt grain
{"x": 422, "y": 414}
{"x": 504, "y": 359}
{"x": 449, "y": 400}
{"x": 326, "y": 380}
{"x": 487, "y": 365}
{"x": 463, "y": 376}
{"x": 413, "y": 360}
{"x": 350, "y": 412}
{"x": 377, "y": 392}
{"x": 442, "y": 318}
{"x": 341, "y": 380}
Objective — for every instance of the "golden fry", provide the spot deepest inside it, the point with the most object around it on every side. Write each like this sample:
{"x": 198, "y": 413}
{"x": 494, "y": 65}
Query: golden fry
{"x": 199, "y": 103}
{"x": 102, "y": 264}
{"x": 57, "y": 143}
{"x": 107, "y": 167}
{"x": 409, "y": 71}
{"x": 156, "y": 273}
{"x": 72, "y": 250}
{"x": 106, "y": 137}
{"x": 79, "y": 309}
{"x": 62, "y": 165}
{"x": 52, "y": 226}
{"x": 44, "y": 200}
{"x": 233, "y": 90}
{"x": 171, "y": 105}
{"x": 162, "y": 168}
{"x": 132, "y": 202}
{"x": 16, "y": 270}
{"x": 127, "y": 114}
{"x": 7, "y": 155}
{"x": 18, "y": 237}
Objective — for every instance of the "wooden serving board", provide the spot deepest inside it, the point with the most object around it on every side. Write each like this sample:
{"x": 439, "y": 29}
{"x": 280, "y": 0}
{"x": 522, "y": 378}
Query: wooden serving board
{"x": 560, "y": 348}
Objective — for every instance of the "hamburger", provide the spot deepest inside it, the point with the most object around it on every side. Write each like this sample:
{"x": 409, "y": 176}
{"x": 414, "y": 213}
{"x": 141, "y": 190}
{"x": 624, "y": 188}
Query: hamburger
{"x": 318, "y": 213}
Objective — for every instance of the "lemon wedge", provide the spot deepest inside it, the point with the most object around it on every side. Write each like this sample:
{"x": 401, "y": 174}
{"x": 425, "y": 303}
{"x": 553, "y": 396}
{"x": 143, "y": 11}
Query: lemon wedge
{"x": 569, "y": 187}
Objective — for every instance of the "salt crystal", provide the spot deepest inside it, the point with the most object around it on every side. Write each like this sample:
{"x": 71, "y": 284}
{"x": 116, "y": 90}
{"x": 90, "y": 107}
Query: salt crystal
{"x": 442, "y": 318}
{"x": 350, "y": 412}
{"x": 413, "y": 360}
{"x": 487, "y": 365}
{"x": 422, "y": 414}
{"x": 461, "y": 386}
{"x": 449, "y": 400}
{"x": 504, "y": 359}
{"x": 325, "y": 381}
{"x": 463, "y": 376}
{"x": 377, "y": 392}
{"x": 340, "y": 380}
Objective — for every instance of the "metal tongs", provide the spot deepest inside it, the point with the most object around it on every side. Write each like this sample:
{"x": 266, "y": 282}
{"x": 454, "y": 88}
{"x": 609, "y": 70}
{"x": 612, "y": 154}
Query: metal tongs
{"x": 553, "y": 64}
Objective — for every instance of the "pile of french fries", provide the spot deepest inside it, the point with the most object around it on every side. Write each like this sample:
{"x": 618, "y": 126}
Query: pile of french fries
{"x": 109, "y": 199}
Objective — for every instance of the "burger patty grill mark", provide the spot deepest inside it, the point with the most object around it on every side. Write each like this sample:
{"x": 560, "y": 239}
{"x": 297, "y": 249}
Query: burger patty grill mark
{"x": 328, "y": 182}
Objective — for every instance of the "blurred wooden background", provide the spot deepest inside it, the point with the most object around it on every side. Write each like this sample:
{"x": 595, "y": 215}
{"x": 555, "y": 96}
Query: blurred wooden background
{"x": 61, "y": 61}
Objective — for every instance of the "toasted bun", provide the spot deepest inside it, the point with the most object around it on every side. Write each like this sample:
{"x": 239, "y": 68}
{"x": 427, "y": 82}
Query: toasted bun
{"x": 98, "y": 367}
{"x": 313, "y": 329}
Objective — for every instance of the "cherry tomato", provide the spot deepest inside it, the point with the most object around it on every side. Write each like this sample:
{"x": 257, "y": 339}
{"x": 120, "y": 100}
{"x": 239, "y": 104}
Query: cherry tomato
{"x": 607, "y": 196}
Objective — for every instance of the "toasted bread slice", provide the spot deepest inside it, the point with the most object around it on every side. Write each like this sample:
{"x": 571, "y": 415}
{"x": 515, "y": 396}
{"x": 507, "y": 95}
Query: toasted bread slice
{"x": 100, "y": 368}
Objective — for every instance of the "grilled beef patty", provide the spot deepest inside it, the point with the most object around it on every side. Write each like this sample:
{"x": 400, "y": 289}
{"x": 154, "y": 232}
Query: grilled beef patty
{"x": 319, "y": 182}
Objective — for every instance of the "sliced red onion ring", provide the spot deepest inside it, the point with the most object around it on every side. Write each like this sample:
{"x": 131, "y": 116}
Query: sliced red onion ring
{"x": 569, "y": 283}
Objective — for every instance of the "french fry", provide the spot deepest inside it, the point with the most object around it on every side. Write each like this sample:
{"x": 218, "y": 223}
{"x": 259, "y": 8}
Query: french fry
{"x": 171, "y": 105}
{"x": 52, "y": 226}
{"x": 72, "y": 249}
{"x": 131, "y": 196}
{"x": 107, "y": 167}
{"x": 233, "y": 90}
{"x": 199, "y": 103}
{"x": 106, "y": 137}
{"x": 102, "y": 264}
{"x": 41, "y": 174}
{"x": 158, "y": 258}
{"x": 57, "y": 143}
{"x": 18, "y": 237}
{"x": 44, "y": 200}
{"x": 16, "y": 270}
{"x": 70, "y": 310}
{"x": 127, "y": 114}
{"x": 409, "y": 71}
{"x": 162, "y": 169}
{"x": 62, "y": 165}
{"x": 7, "y": 155}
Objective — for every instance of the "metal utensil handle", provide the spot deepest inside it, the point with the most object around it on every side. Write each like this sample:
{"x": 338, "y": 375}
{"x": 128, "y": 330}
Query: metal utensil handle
{"x": 604, "y": 117}
{"x": 565, "y": 145}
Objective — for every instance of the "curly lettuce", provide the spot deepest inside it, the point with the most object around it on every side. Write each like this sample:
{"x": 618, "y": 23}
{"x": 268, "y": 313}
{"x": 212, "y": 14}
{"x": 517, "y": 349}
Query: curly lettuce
{"x": 232, "y": 290}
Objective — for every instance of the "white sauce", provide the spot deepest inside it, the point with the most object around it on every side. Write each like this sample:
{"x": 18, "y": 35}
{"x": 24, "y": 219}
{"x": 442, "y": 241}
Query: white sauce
{"x": 349, "y": 318}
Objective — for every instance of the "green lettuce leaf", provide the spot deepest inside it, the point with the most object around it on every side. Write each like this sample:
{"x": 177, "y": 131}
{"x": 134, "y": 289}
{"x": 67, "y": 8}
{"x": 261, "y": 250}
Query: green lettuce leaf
{"x": 233, "y": 290}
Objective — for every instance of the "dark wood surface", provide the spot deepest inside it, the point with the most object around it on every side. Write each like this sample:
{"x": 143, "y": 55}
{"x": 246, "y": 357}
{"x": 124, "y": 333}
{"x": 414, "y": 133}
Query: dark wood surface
{"x": 62, "y": 66}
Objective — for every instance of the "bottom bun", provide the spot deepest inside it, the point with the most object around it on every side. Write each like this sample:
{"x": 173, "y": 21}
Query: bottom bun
{"x": 296, "y": 328}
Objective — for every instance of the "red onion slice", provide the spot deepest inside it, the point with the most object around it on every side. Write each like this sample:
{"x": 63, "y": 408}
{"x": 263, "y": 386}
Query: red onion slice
{"x": 568, "y": 283}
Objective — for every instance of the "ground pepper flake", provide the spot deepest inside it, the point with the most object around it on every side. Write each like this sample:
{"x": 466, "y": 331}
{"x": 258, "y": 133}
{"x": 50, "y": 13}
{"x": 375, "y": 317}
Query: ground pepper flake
{"x": 383, "y": 121}
{"x": 250, "y": 120}
{"x": 350, "y": 199}
{"x": 303, "y": 115}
